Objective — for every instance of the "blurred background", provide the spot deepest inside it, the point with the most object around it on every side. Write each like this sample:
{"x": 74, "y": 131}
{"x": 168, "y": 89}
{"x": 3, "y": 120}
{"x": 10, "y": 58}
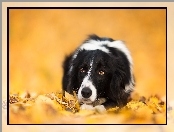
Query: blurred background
{"x": 40, "y": 39}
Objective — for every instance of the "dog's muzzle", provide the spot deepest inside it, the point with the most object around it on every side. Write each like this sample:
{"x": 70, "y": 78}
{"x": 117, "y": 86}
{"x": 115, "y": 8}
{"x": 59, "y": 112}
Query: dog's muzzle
{"x": 87, "y": 92}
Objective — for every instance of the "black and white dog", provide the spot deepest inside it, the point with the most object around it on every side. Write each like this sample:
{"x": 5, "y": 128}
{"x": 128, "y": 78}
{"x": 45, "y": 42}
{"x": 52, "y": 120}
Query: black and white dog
{"x": 100, "y": 70}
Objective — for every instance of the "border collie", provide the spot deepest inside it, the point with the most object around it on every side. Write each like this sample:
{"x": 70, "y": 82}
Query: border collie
{"x": 100, "y": 70}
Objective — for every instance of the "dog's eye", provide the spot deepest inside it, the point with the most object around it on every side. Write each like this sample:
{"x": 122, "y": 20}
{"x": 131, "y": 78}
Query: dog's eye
{"x": 82, "y": 70}
{"x": 101, "y": 72}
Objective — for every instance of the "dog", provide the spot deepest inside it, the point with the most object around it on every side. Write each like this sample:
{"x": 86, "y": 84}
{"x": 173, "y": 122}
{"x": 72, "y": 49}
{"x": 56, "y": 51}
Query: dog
{"x": 100, "y": 72}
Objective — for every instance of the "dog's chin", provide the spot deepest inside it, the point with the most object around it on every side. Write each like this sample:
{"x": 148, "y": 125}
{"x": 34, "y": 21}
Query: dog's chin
{"x": 98, "y": 101}
{"x": 85, "y": 101}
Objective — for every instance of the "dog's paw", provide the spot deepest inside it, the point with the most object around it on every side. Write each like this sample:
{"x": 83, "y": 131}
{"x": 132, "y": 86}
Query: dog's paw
{"x": 100, "y": 108}
{"x": 86, "y": 107}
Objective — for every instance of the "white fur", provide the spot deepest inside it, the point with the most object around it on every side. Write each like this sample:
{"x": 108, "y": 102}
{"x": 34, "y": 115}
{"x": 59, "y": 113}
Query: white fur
{"x": 129, "y": 88}
{"x": 87, "y": 83}
{"x": 86, "y": 107}
{"x": 98, "y": 108}
{"x": 94, "y": 45}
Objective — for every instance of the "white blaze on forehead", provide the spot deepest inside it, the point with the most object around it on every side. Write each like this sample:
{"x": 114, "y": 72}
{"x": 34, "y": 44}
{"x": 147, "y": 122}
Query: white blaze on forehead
{"x": 86, "y": 82}
{"x": 90, "y": 69}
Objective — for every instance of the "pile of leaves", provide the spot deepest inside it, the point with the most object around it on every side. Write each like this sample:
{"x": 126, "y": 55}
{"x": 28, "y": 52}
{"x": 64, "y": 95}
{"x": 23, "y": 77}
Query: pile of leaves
{"x": 54, "y": 108}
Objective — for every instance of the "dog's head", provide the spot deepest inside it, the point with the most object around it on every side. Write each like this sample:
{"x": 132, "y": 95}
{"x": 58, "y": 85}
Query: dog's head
{"x": 99, "y": 70}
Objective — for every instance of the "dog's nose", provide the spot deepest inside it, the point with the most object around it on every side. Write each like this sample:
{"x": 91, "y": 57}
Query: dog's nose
{"x": 86, "y": 92}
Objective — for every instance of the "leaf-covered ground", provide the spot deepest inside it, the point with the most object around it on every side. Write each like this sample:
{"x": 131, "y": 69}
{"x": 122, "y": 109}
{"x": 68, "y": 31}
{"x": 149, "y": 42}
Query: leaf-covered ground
{"x": 53, "y": 108}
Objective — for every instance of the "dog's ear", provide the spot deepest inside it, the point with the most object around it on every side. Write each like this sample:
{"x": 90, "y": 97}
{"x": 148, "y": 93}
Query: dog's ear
{"x": 69, "y": 81}
{"x": 72, "y": 80}
{"x": 69, "y": 75}
{"x": 116, "y": 91}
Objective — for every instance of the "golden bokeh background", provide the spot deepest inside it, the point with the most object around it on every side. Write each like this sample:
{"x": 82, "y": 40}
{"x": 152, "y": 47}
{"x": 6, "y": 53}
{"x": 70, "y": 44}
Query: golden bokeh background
{"x": 40, "y": 39}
